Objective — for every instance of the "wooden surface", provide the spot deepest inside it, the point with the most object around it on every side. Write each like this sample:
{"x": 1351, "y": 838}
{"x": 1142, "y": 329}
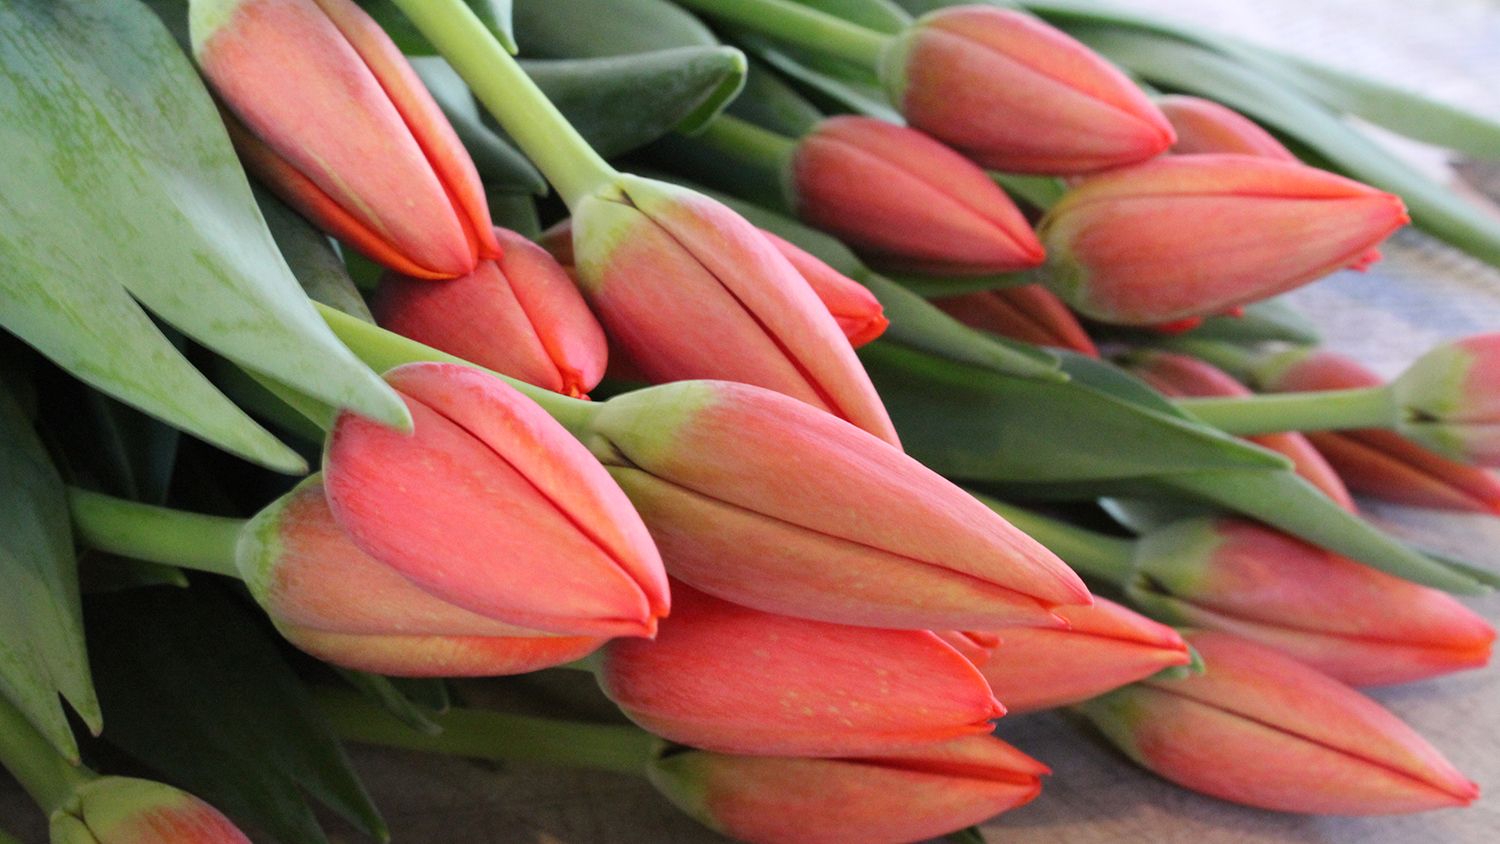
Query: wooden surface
{"x": 1423, "y": 292}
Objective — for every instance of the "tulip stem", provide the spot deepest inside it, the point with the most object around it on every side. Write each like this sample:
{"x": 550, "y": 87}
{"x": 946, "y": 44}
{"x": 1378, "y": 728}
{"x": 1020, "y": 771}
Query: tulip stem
{"x": 158, "y": 534}
{"x": 500, "y": 736}
{"x": 542, "y": 132}
{"x": 749, "y": 144}
{"x": 795, "y": 23}
{"x": 382, "y": 350}
{"x": 1097, "y": 555}
{"x": 49, "y": 778}
{"x": 1331, "y": 410}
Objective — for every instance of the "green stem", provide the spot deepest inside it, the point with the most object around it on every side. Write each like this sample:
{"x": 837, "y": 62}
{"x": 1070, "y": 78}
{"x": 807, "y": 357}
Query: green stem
{"x": 795, "y": 23}
{"x": 46, "y": 776}
{"x": 749, "y": 144}
{"x": 1096, "y": 555}
{"x": 1367, "y": 407}
{"x": 500, "y": 736}
{"x": 158, "y": 534}
{"x": 382, "y": 350}
{"x": 542, "y": 132}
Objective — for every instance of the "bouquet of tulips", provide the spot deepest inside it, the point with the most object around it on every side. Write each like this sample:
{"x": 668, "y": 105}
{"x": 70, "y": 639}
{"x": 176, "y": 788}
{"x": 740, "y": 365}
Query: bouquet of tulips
{"x": 490, "y": 367}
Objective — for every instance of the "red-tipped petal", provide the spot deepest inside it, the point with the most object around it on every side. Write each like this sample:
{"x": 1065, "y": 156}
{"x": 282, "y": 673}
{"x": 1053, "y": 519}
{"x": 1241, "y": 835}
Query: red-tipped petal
{"x": 857, "y": 311}
{"x": 1029, "y": 313}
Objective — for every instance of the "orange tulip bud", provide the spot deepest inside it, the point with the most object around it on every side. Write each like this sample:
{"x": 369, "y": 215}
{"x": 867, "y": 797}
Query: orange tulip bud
{"x": 1029, "y": 313}
{"x": 1451, "y": 397}
{"x": 121, "y": 810}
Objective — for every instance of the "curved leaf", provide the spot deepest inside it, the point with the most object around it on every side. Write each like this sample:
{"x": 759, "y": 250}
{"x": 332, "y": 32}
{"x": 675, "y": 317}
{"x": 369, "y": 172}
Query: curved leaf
{"x": 556, "y": 28}
{"x": 879, "y": 15}
{"x": 120, "y": 185}
{"x": 500, "y": 165}
{"x": 494, "y": 14}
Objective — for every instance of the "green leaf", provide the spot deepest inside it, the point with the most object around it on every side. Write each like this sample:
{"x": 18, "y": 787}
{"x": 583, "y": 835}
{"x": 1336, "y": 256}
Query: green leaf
{"x": 390, "y": 697}
{"x": 621, "y": 102}
{"x": 971, "y": 835}
{"x": 1268, "y": 321}
{"x": 311, "y": 256}
{"x": 835, "y": 91}
{"x": 556, "y": 28}
{"x": 195, "y": 689}
{"x": 494, "y": 14}
{"x": 500, "y": 165}
{"x": 981, "y": 426}
{"x": 879, "y": 15}
{"x": 772, "y": 104}
{"x": 121, "y": 186}
{"x": 42, "y": 650}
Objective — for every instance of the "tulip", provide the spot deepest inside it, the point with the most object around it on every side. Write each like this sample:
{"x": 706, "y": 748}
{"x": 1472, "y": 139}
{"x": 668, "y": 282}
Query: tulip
{"x": 1451, "y": 399}
{"x": 344, "y": 607}
{"x": 519, "y": 315}
{"x": 1182, "y": 376}
{"x": 889, "y": 798}
{"x": 1354, "y": 623}
{"x": 976, "y": 646}
{"x": 762, "y": 500}
{"x": 121, "y": 810}
{"x": 1264, "y": 730}
{"x": 688, "y": 289}
{"x": 1029, "y": 313}
{"x": 1016, "y": 94}
{"x": 907, "y": 200}
{"x": 1382, "y": 464}
{"x": 492, "y": 506}
{"x": 1105, "y": 647}
{"x": 328, "y": 113}
{"x": 859, "y": 314}
{"x": 732, "y": 679}
{"x": 1205, "y": 127}
{"x": 1191, "y": 235}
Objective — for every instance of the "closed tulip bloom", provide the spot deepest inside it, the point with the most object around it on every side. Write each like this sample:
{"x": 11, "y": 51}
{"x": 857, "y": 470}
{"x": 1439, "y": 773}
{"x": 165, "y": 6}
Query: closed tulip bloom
{"x": 889, "y": 798}
{"x": 1264, "y": 730}
{"x": 492, "y": 506}
{"x": 1016, "y": 94}
{"x": 121, "y": 810}
{"x": 1451, "y": 399}
{"x": 341, "y": 605}
{"x": 519, "y": 315}
{"x": 1104, "y": 647}
{"x": 907, "y": 200}
{"x": 1193, "y": 235}
{"x": 976, "y": 646}
{"x": 328, "y": 113}
{"x": 1359, "y": 625}
{"x": 1029, "y": 313}
{"x": 688, "y": 289}
{"x": 1378, "y": 463}
{"x": 736, "y": 680}
{"x": 859, "y": 314}
{"x": 767, "y": 502}
{"x": 1181, "y": 376}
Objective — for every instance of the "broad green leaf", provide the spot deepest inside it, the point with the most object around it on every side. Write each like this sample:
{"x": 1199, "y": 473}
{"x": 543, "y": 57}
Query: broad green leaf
{"x": 982, "y": 426}
{"x": 42, "y": 650}
{"x": 195, "y": 689}
{"x": 833, "y": 91}
{"x": 772, "y": 104}
{"x": 574, "y": 29}
{"x": 879, "y": 15}
{"x": 121, "y": 186}
{"x": 517, "y": 213}
{"x": 1271, "y": 320}
{"x": 500, "y": 165}
{"x": 391, "y": 698}
{"x": 494, "y": 14}
{"x": 311, "y": 256}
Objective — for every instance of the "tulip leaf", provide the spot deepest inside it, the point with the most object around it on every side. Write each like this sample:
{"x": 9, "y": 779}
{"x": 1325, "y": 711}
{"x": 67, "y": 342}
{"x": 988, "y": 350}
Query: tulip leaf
{"x": 555, "y": 28}
{"x": 121, "y": 190}
{"x": 982, "y": 426}
{"x": 494, "y": 14}
{"x": 880, "y": 15}
{"x": 500, "y": 165}
{"x": 621, "y": 102}
{"x": 390, "y": 697}
{"x": 42, "y": 650}
{"x": 311, "y": 256}
{"x": 196, "y": 690}
{"x": 971, "y": 835}
{"x": 1267, "y": 321}
{"x": 771, "y": 104}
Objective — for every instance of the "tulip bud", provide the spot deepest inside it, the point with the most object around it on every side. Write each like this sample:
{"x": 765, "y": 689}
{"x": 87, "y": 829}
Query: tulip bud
{"x": 1193, "y": 235}
{"x": 688, "y": 289}
{"x": 1264, "y": 730}
{"x": 1181, "y": 376}
{"x": 907, "y": 200}
{"x": 1352, "y": 622}
{"x": 122, "y": 810}
{"x": 764, "y": 501}
{"x": 889, "y": 798}
{"x": 1016, "y": 94}
{"x": 1104, "y": 647}
{"x": 1029, "y": 313}
{"x": 344, "y": 607}
{"x": 492, "y": 506}
{"x": 519, "y": 315}
{"x": 1379, "y": 463}
{"x": 1205, "y": 128}
{"x": 1451, "y": 399}
{"x": 859, "y": 314}
{"x": 977, "y": 647}
{"x": 330, "y": 115}
{"x": 725, "y": 677}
